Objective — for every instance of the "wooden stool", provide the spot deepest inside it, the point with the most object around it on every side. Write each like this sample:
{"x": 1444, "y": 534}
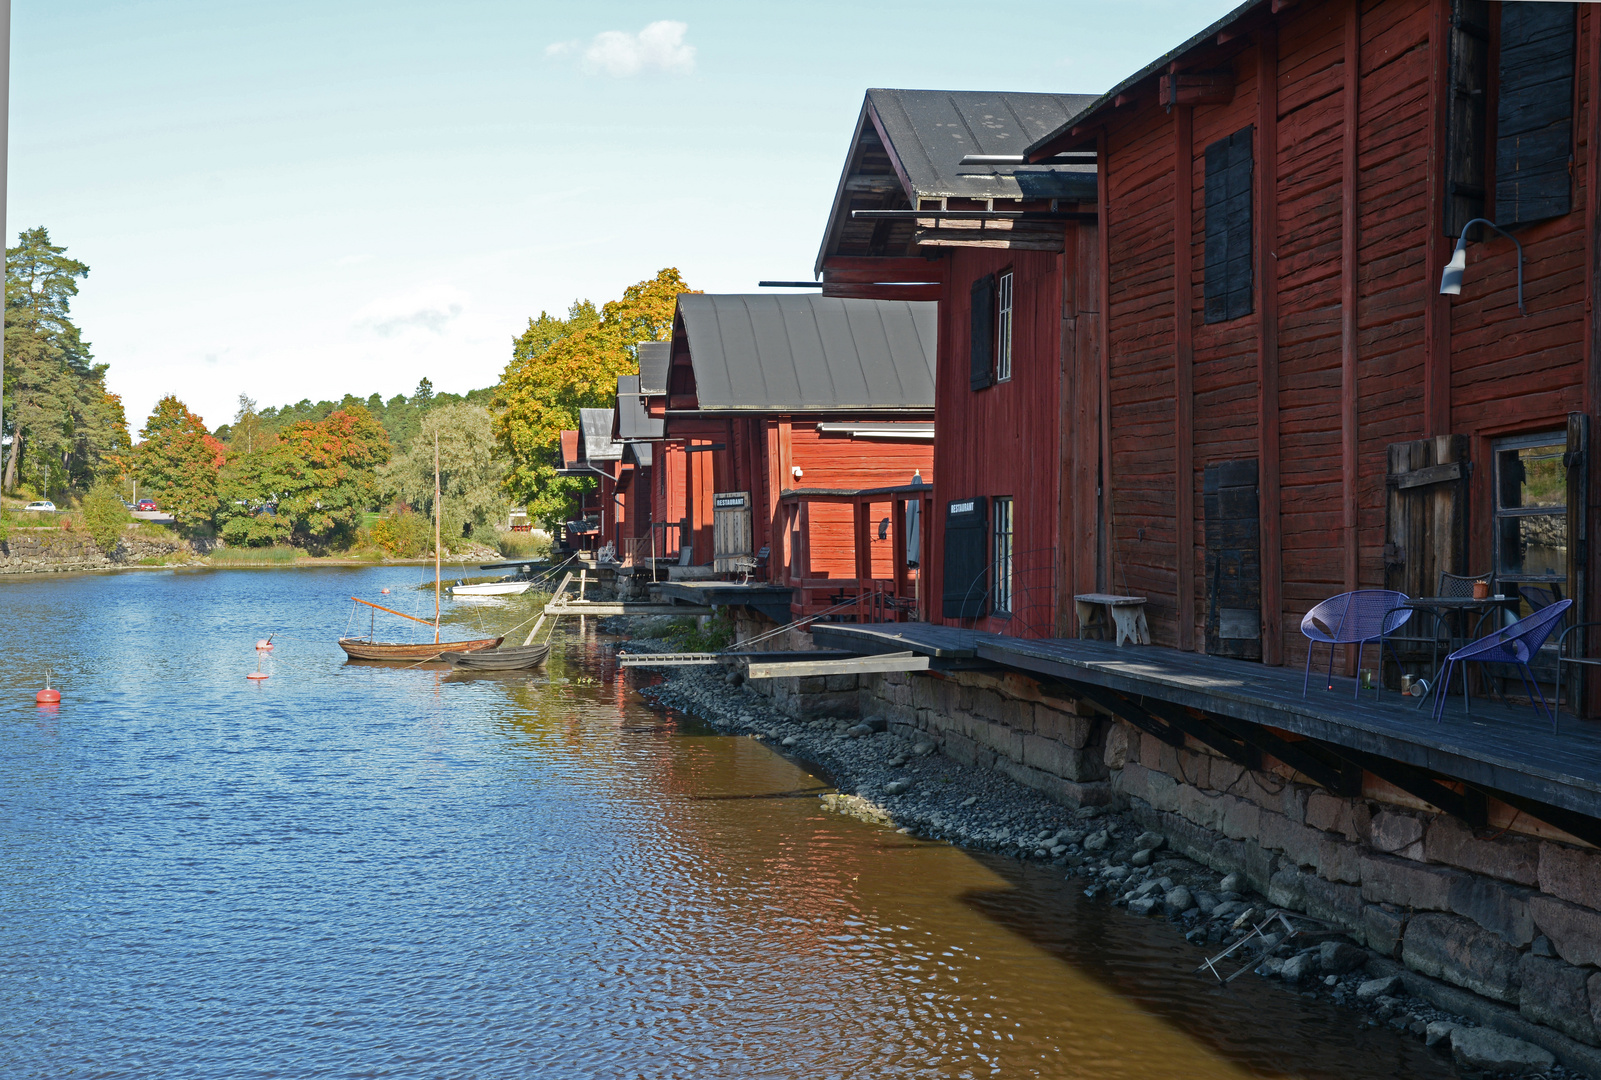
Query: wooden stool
{"x": 1101, "y": 612}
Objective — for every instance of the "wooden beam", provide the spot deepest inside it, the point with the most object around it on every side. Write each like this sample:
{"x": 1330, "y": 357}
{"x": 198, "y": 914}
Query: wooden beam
{"x": 1063, "y": 535}
{"x": 889, "y": 266}
{"x": 1184, "y": 371}
{"x": 930, "y": 271}
{"x": 1591, "y": 601}
{"x": 1350, "y": 220}
{"x": 1196, "y": 88}
{"x": 1436, "y": 308}
{"x": 1104, "y": 510}
{"x": 994, "y": 239}
{"x": 883, "y": 292}
{"x": 1267, "y": 278}
{"x": 861, "y": 665}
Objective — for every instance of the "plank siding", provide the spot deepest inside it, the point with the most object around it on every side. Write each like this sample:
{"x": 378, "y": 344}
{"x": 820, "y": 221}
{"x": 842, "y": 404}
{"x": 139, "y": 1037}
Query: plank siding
{"x": 1005, "y": 440}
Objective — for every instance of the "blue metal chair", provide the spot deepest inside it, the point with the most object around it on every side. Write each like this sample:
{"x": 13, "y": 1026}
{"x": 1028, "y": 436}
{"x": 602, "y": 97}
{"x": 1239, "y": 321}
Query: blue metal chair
{"x": 1353, "y": 618}
{"x": 1515, "y": 644}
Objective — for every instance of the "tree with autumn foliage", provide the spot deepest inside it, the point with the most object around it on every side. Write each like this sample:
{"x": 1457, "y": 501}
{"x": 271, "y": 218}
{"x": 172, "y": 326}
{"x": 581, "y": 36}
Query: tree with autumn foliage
{"x": 308, "y": 484}
{"x": 176, "y": 463}
{"x": 559, "y": 366}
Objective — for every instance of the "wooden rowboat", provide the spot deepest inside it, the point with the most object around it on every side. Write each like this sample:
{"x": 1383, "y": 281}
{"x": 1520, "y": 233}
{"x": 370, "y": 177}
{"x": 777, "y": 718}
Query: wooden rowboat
{"x": 362, "y": 649}
{"x": 516, "y": 658}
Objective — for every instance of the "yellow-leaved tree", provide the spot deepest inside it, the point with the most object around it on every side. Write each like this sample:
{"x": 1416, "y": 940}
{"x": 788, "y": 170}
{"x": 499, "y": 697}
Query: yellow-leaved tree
{"x": 559, "y": 366}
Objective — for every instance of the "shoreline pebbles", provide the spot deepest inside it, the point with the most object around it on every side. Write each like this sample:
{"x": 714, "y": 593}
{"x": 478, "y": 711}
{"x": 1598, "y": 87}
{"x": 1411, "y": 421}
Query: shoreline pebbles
{"x": 903, "y": 783}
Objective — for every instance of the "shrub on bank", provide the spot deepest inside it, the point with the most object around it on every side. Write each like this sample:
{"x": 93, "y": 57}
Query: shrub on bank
{"x": 104, "y": 516}
{"x": 523, "y": 545}
{"x": 403, "y": 533}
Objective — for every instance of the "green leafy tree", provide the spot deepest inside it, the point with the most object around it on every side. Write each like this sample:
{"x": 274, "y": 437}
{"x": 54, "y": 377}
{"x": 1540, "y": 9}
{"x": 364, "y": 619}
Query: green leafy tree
{"x": 177, "y": 462}
{"x": 104, "y": 515}
{"x": 65, "y": 426}
{"x": 559, "y": 366}
{"x": 470, "y": 471}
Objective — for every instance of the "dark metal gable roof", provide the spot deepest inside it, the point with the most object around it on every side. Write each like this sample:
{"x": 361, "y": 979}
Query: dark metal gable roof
{"x": 596, "y": 424}
{"x": 1053, "y": 141}
{"x": 909, "y": 144}
{"x": 796, "y": 353}
{"x": 633, "y": 423}
{"x": 654, "y": 358}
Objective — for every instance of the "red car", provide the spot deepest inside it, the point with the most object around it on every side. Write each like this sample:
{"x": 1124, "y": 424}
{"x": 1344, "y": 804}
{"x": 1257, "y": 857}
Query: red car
{"x": 146, "y": 504}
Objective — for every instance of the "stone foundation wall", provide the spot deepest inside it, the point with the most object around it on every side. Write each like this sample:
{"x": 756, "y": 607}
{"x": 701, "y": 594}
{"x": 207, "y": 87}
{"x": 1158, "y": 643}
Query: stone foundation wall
{"x": 53, "y": 551}
{"x": 1510, "y": 916}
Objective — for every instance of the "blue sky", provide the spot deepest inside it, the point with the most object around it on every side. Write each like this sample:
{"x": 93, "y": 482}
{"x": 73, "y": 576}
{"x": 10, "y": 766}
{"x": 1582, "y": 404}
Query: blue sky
{"x": 306, "y": 199}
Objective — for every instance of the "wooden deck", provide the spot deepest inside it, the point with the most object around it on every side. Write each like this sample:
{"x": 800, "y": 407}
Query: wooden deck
{"x": 771, "y": 600}
{"x": 1508, "y": 751}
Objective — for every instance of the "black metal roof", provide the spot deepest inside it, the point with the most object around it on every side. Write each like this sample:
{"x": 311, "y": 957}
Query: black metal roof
{"x": 798, "y": 353}
{"x": 654, "y": 358}
{"x": 594, "y": 431}
{"x": 1043, "y": 142}
{"x": 926, "y": 135}
{"x": 635, "y": 428}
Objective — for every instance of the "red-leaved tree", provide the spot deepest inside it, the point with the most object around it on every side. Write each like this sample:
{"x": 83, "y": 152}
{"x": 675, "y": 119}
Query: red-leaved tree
{"x": 176, "y": 463}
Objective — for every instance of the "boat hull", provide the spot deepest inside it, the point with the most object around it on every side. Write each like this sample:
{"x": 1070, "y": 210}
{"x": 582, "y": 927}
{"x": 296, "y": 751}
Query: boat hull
{"x": 518, "y": 658}
{"x": 357, "y": 649}
{"x": 492, "y": 588}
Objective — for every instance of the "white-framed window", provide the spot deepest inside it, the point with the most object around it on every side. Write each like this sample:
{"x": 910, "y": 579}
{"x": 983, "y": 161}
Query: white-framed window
{"x": 1531, "y": 510}
{"x": 1003, "y": 555}
{"x": 1003, "y": 327}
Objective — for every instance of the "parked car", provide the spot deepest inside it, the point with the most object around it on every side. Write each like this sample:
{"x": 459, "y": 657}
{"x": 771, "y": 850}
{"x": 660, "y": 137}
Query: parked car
{"x": 41, "y": 506}
{"x": 147, "y": 504}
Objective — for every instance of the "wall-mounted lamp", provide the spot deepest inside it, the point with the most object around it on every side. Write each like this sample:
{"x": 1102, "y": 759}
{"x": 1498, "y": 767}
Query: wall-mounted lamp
{"x": 1451, "y": 280}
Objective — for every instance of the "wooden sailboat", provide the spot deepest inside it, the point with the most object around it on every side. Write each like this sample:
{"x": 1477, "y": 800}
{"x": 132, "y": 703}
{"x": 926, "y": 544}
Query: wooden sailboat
{"x": 368, "y": 649}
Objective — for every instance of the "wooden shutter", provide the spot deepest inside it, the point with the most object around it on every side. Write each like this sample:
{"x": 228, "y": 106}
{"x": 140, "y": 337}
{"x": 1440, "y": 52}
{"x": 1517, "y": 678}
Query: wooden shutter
{"x": 1465, "y": 114}
{"x": 1227, "y": 274}
{"x": 966, "y": 580}
{"x": 1534, "y": 112}
{"x": 1426, "y": 513}
{"x": 982, "y": 321}
{"x": 1233, "y": 560}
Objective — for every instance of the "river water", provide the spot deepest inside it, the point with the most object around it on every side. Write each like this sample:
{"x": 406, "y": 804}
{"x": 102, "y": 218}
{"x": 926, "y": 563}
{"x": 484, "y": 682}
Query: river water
{"x": 369, "y": 871}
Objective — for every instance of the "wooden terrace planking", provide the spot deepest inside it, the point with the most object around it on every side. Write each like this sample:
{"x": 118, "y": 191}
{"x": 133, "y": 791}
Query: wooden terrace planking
{"x": 1500, "y": 748}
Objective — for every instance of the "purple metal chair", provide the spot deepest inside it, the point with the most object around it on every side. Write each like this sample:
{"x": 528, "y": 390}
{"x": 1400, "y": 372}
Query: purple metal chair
{"x": 1515, "y": 644}
{"x": 1353, "y": 618}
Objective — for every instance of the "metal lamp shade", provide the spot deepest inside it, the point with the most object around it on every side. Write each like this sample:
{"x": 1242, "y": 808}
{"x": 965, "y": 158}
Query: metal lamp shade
{"x": 1451, "y": 280}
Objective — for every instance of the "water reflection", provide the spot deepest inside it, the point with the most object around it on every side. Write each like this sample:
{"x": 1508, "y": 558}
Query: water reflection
{"x": 379, "y": 870}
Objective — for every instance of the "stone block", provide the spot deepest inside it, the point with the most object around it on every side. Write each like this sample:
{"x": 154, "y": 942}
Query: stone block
{"x": 1162, "y": 791}
{"x": 1395, "y": 832}
{"x": 1224, "y": 774}
{"x": 1338, "y": 904}
{"x": 1118, "y": 744}
{"x": 1017, "y": 715}
{"x": 1383, "y": 929}
{"x": 998, "y": 737}
{"x": 1386, "y": 879}
{"x": 960, "y": 748}
{"x": 1500, "y": 908}
{"x": 1555, "y": 994}
{"x": 1572, "y": 874}
{"x": 1575, "y": 931}
{"x": 1484, "y": 1051}
{"x": 1069, "y": 730}
{"x": 1328, "y": 812}
{"x": 1053, "y": 757}
{"x": 1199, "y": 807}
{"x": 1194, "y": 768}
{"x": 988, "y": 704}
{"x": 925, "y": 693}
{"x": 1287, "y": 888}
{"x": 1339, "y": 861}
{"x": 840, "y": 682}
{"x": 1298, "y": 842}
{"x": 1461, "y": 952}
{"x": 1241, "y": 818}
{"x": 1150, "y": 750}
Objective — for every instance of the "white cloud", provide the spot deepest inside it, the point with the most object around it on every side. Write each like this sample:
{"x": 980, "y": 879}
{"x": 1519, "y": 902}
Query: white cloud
{"x": 427, "y": 308}
{"x": 658, "y": 47}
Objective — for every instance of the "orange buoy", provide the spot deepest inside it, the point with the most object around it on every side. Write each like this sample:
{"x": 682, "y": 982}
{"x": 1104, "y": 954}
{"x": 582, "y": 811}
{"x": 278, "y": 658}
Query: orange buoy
{"x": 48, "y": 696}
{"x": 386, "y": 592}
{"x": 264, "y": 645}
{"x": 252, "y": 675}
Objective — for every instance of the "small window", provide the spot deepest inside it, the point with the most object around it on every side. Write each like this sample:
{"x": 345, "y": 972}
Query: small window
{"x": 1531, "y": 511}
{"x": 1227, "y": 274}
{"x": 1003, "y": 555}
{"x": 1003, "y": 327}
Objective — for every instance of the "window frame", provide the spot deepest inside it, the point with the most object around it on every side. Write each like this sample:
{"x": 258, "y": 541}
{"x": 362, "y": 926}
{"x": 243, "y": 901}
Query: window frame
{"x": 1003, "y": 540}
{"x": 1498, "y": 514}
{"x": 1004, "y": 307}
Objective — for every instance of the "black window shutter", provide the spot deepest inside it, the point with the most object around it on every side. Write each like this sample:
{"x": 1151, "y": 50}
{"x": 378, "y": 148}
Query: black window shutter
{"x": 1227, "y": 274}
{"x": 982, "y": 317}
{"x": 1534, "y": 113}
{"x": 966, "y": 584}
{"x": 1466, "y": 112}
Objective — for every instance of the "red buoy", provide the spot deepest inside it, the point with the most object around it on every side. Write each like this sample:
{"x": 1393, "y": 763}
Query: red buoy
{"x": 265, "y": 645}
{"x": 386, "y": 592}
{"x": 48, "y": 696}
{"x": 252, "y": 675}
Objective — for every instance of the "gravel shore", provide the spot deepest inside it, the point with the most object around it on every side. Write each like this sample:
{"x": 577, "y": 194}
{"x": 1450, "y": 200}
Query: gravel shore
{"x": 904, "y": 783}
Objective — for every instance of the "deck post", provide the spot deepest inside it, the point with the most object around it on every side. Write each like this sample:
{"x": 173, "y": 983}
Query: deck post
{"x": 897, "y": 530}
{"x": 1267, "y": 127}
{"x": 1437, "y": 308}
{"x": 1184, "y": 372}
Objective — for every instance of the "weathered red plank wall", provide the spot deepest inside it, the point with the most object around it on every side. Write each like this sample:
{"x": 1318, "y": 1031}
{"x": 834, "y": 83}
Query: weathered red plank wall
{"x": 837, "y": 461}
{"x": 1495, "y": 373}
{"x": 1003, "y": 440}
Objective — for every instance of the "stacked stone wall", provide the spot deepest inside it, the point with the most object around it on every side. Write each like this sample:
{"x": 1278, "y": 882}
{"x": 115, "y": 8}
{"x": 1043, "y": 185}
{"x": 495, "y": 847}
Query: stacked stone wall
{"x": 1512, "y": 917}
{"x": 53, "y": 551}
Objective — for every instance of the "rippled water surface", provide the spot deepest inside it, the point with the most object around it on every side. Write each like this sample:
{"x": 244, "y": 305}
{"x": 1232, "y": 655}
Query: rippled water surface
{"x": 371, "y": 871}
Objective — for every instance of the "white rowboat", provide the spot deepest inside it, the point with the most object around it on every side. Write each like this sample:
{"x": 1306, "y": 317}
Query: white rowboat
{"x": 492, "y": 588}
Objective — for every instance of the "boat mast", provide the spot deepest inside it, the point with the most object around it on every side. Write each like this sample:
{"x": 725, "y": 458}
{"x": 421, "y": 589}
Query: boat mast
{"x": 436, "y": 536}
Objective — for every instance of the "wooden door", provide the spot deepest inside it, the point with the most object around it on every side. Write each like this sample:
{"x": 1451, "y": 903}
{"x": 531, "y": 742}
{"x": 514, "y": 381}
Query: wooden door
{"x": 731, "y": 530}
{"x": 1233, "y": 560}
{"x": 1426, "y": 513}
